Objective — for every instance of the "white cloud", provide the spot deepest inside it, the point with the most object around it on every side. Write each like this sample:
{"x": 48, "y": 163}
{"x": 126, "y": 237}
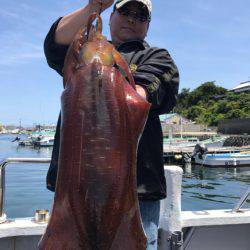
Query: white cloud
{"x": 20, "y": 53}
{"x": 8, "y": 14}
{"x": 204, "y": 6}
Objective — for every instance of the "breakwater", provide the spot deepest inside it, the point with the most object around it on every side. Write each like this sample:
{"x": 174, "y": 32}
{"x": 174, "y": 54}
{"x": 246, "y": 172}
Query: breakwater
{"x": 237, "y": 141}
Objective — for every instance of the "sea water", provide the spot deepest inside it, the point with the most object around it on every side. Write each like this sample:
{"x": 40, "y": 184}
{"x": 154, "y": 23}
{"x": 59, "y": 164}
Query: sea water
{"x": 202, "y": 188}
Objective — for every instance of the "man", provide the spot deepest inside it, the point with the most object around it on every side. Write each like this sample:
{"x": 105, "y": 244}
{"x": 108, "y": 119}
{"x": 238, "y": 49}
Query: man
{"x": 156, "y": 78}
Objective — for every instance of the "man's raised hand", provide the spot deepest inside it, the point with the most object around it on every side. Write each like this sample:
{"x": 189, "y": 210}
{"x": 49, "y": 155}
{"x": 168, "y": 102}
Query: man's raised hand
{"x": 100, "y": 5}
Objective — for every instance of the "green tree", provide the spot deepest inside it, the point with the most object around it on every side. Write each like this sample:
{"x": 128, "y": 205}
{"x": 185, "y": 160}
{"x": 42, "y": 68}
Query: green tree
{"x": 209, "y": 103}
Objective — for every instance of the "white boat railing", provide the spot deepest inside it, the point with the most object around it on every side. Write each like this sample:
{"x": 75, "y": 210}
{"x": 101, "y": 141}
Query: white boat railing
{"x": 173, "y": 219}
{"x": 3, "y": 165}
{"x": 242, "y": 201}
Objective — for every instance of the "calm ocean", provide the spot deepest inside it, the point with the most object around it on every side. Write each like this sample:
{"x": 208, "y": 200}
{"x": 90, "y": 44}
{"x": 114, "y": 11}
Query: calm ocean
{"x": 203, "y": 188}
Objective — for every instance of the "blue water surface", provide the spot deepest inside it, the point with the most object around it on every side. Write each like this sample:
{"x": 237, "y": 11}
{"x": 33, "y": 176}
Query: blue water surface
{"x": 202, "y": 188}
{"x": 25, "y": 183}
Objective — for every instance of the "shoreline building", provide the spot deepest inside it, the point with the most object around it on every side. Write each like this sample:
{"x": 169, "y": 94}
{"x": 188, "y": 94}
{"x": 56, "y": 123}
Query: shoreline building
{"x": 242, "y": 87}
{"x": 234, "y": 126}
{"x": 179, "y": 125}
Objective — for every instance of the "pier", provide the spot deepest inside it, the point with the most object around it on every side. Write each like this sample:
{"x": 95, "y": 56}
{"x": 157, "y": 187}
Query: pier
{"x": 211, "y": 150}
{"x": 181, "y": 155}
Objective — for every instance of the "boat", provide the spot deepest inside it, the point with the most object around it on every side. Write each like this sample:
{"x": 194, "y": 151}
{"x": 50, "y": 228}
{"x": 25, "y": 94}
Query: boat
{"x": 223, "y": 159}
{"x": 39, "y": 138}
{"x": 36, "y": 135}
{"x": 192, "y": 141}
{"x": 179, "y": 149}
{"x": 179, "y": 230}
{"x": 181, "y": 142}
{"x": 44, "y": 141}
{"x": 25, "y": 143}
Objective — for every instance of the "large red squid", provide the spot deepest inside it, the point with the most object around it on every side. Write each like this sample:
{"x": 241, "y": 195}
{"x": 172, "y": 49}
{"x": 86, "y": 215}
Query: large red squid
{"x": 96, "y": 205}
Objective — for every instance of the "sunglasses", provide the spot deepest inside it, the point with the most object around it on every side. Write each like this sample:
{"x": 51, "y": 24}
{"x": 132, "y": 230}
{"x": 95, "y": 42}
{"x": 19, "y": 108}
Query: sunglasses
{"x": 141, "y": 17}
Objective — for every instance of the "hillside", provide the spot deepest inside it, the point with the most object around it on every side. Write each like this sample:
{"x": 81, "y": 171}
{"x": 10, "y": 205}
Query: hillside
{"x": 210, "y": 103}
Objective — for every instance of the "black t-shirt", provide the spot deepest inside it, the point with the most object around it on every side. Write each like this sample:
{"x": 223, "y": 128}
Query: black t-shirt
{"x": 153, "y": 69}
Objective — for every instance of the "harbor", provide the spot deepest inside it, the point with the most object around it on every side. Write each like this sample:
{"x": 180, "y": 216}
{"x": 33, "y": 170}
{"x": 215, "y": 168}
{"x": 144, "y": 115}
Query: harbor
{"x": 207, "y": 175}
{"x": 204, "y": 202}
{"x": 203, "y": 188}
{"x": 184, "y": 154}
{"x": 186, "y": 142}
{"x": 35, "y": 138}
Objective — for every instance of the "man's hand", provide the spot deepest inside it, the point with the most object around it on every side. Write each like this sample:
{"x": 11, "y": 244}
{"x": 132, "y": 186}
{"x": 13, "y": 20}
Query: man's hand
{"x": 141, "y": 91}
{"x": 100, "y": 5}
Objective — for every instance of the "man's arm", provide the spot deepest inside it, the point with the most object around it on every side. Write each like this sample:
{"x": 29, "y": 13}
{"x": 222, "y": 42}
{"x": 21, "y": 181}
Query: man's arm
{"x": 63, "y": 31}
{"x": 71, "y": 23}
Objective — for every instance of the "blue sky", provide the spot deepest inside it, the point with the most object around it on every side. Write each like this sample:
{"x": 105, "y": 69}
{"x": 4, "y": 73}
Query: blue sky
{"x": 209, "y": 41}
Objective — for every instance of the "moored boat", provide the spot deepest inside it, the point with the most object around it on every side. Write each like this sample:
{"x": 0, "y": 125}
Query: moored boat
{"x": 223, "y": 159}
{"x": 41, "y": 138}
{"x": 44, "y": 141}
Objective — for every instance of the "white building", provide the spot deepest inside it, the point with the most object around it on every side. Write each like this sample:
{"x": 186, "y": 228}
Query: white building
{"x": 242, "y": 87}
{"x": 174, "y": 119}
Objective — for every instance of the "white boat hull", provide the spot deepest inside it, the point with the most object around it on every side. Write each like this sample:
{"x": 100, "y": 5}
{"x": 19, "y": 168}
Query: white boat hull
{"x": 223, "y": 160}
{"x": 45, "y": 142}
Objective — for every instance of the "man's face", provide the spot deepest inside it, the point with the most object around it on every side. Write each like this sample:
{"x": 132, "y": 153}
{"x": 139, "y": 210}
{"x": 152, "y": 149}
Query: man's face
{"x": 126, "y": 24}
